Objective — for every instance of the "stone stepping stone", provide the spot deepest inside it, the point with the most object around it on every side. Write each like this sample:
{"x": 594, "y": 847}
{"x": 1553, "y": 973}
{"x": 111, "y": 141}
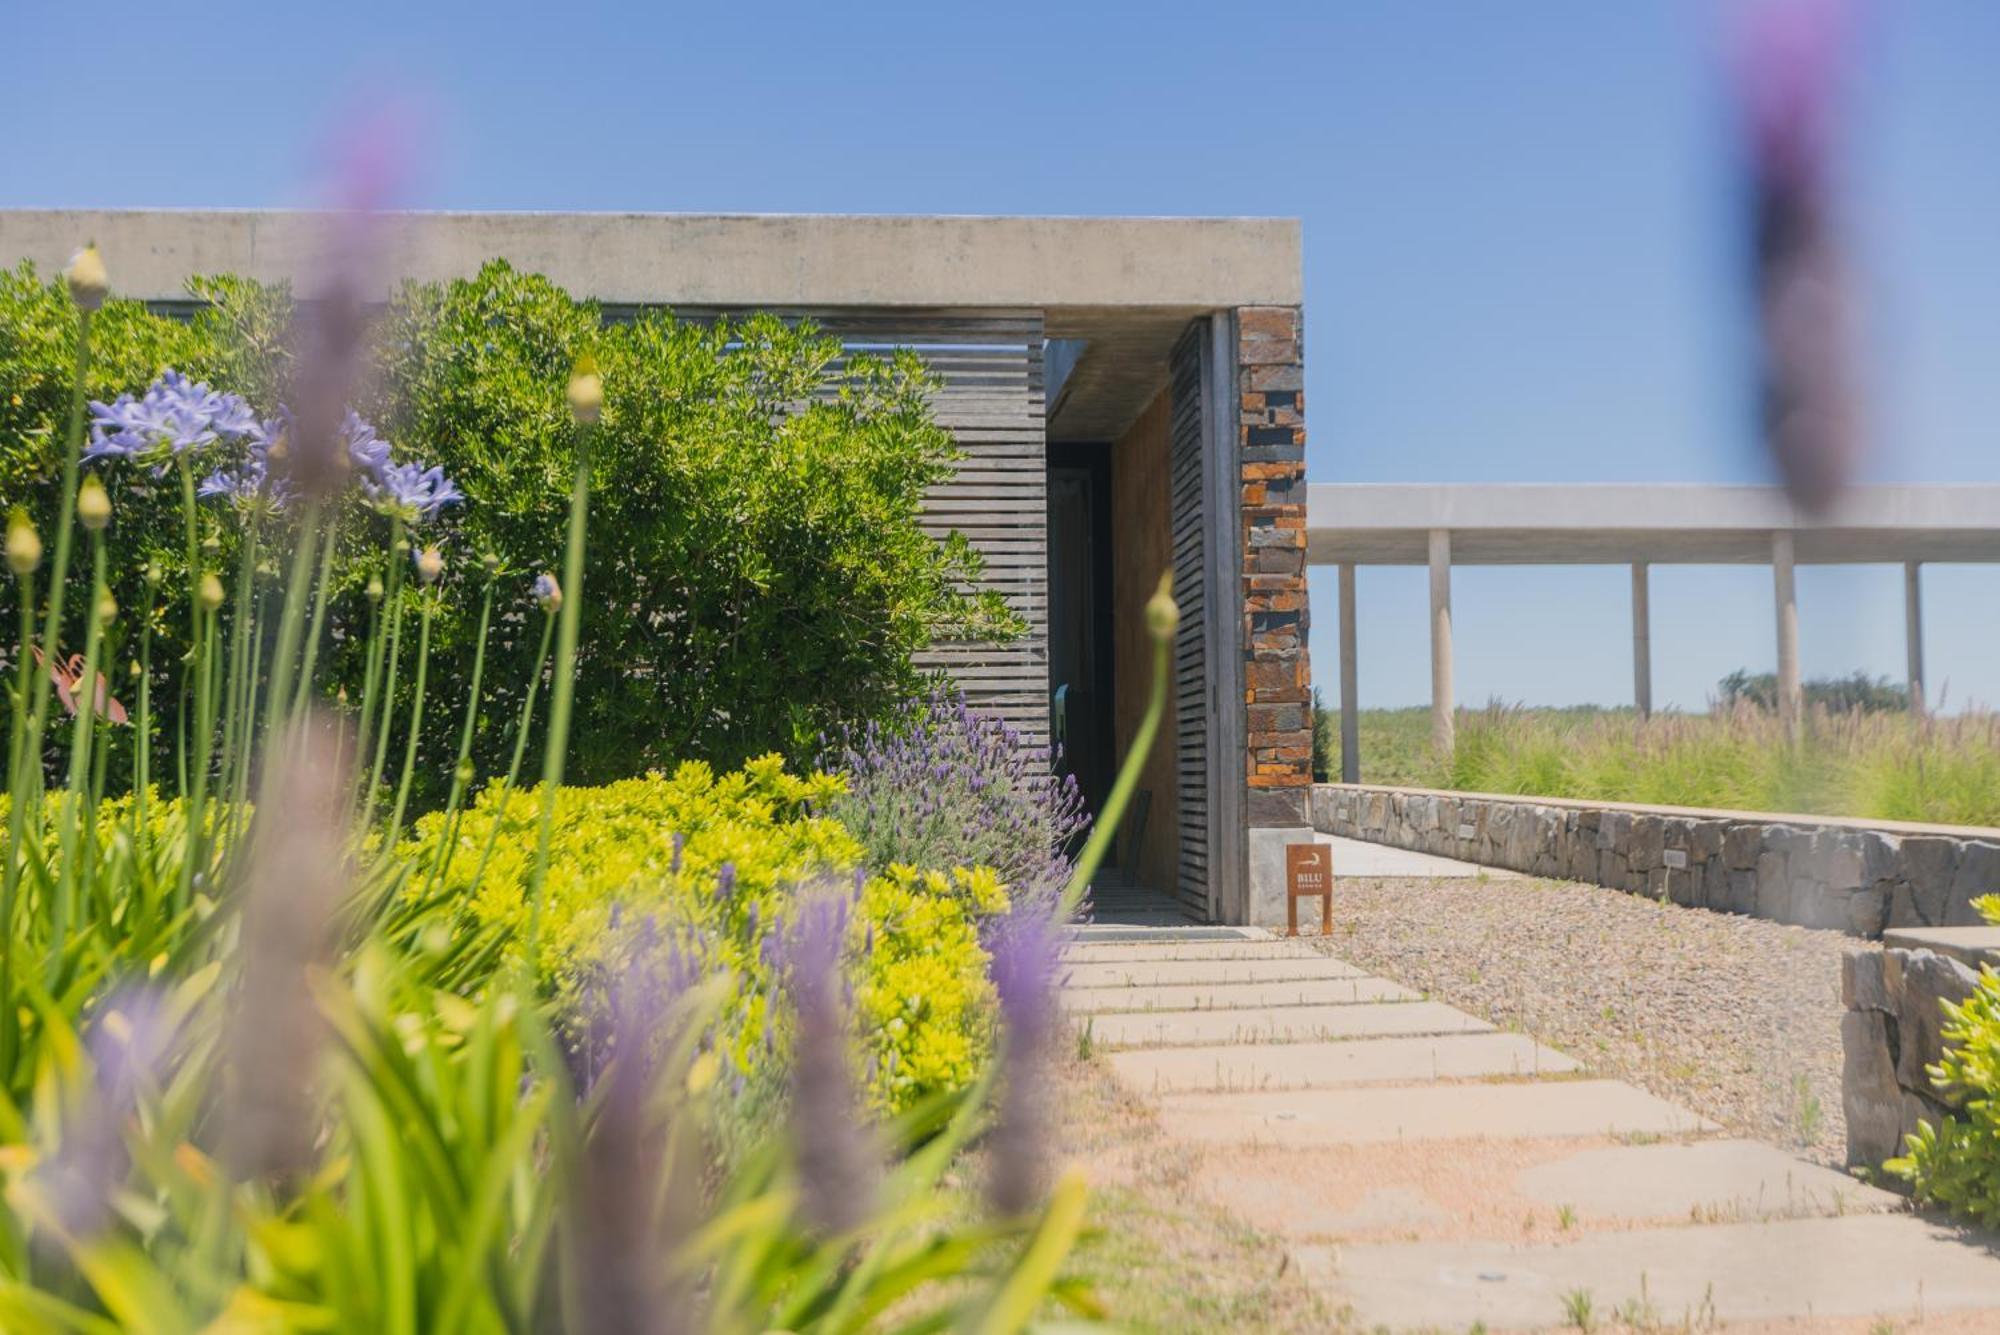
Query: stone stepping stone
{"x": 1424, "y": 1112}
{"x": 1327, "y": 1065}
{"x": 1193, "y": 950}
{"x": 1167, "y": 973}
{"x": 1864, "y": 1266}
{"x": 1711, "y": 1182}
{"x": 1280, "y": 1024}
{"x": 1234, "y": 996}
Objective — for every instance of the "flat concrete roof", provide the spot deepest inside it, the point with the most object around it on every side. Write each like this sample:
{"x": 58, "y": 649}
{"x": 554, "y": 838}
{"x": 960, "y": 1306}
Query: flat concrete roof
{"x": 1093, "y": 265}
{"x": 1668, "y": 523}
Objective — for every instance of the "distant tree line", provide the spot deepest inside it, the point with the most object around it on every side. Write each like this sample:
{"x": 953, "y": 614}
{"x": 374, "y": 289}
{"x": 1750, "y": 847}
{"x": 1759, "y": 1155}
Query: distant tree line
{"x": 1856, "y": 693}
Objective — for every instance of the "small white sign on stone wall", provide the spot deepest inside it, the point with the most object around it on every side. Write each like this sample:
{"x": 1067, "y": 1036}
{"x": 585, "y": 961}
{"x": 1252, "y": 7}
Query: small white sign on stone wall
{"x": 1676, "y": 858}
{"x": 1465, "y": 831}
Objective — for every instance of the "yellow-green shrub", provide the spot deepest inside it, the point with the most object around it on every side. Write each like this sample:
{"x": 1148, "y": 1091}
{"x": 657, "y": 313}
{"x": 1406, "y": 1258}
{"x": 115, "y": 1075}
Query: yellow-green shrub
{"x": 637, "y": 868}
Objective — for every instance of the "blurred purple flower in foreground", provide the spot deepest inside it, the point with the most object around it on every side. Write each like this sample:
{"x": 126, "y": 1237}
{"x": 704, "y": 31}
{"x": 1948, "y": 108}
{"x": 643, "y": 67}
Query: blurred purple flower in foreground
{"x": 128, "y": 1042}
{"x": 1792, "y": 56}
{"x": 836, "y": 1162}
{"x": 1027, "y": 960}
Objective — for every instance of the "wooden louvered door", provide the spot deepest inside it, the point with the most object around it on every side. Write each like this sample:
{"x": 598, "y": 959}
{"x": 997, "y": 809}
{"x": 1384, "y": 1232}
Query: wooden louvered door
{"x": 1191, "y": 706}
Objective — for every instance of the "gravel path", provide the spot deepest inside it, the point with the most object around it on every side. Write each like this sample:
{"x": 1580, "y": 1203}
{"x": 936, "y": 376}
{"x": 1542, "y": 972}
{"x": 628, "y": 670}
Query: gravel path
{"x": 1736, "y": 1018}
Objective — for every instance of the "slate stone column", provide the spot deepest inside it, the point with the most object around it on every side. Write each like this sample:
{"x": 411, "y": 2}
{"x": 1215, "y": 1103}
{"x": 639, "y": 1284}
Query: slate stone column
{"x": 1271, "y": 436}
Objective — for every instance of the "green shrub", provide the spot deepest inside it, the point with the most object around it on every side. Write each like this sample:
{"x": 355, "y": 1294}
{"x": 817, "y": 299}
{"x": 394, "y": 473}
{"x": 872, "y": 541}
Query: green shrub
{"x": 709, "y": 866}
{"x": 758, "y": 574}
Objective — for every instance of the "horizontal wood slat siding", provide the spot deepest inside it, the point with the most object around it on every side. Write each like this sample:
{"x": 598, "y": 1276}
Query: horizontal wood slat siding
{"x": 1189, "y": 526}
{"x": 992, "y": 401}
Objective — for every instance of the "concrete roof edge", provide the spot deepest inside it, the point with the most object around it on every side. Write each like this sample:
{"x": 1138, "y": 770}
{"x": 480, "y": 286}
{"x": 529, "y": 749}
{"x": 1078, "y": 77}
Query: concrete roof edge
{"x": 722, "y": 259}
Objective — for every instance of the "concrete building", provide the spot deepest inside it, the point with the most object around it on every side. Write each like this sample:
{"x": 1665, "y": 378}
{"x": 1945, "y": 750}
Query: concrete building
{"x": 1129, "y": 397}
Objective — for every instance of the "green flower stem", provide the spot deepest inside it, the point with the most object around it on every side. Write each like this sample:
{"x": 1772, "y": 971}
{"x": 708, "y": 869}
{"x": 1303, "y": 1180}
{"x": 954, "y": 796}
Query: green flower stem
{"x": 564, "y": 692}
{"x": 384, "y": 686}
{"x": 291, "y": 622}
{"x": 429, "y": 598}
{"x": 191, "y": 772}
{"x": 17, "y": 816}
{"x": 70, "y": 878}
{"x": 239, "y": 689}
{"x": 459, "y": 766}
{"x": 322, "y": 592}
{"x": 520, "y": 749}
{"x": 1106, "y": 828}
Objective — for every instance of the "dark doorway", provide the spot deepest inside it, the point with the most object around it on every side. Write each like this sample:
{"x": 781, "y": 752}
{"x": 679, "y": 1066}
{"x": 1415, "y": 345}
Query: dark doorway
{"x": 1080, "y": 664}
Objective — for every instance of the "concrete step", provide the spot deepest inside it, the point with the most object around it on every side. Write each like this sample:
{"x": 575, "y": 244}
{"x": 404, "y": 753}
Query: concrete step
{"x": 1279, "y": 1024}
{"x": 1154, "y": 952}
{"x": 1891, "y": 1267}
{"x": 1233, "y": 996}
{"x": 1168, "y": 973}
{"x": 1546, "y": 1108}
{"x": 1709, "y": 1182}
{"x": 1329, "y": 1065}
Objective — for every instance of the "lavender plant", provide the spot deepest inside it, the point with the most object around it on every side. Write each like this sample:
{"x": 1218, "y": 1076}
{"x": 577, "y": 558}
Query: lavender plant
{"x": 939, "y": 784}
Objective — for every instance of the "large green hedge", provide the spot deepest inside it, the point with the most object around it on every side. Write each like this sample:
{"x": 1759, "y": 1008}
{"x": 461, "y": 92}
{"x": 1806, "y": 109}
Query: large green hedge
{"x": 757, "y": 573}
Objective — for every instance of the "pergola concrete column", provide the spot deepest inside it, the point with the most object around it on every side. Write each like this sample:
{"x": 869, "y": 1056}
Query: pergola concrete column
{"x": 1642, "y": 641}
{"x": 1442, "y": 726}
{"x": 1791, "y": 693}
{"x": 1913, "y": 632}
{"x": 1350, "y": 691}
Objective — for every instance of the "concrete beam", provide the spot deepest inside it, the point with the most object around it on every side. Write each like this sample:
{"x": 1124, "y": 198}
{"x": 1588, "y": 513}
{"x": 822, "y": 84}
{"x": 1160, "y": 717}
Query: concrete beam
{"x": 1642, "y": 641}
{"x": 1350, "y": 690}
{"x": 1590, "y": 524}
{"x": 714, "y": 259}
{"x": 1791, "y": 693}
{"x": 1913, "y": 633}
{"x": 1443, "y": 720}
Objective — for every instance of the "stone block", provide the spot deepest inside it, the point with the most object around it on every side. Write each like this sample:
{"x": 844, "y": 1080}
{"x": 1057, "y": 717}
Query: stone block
{"x": 1917, "y": 903}
{"x": 1648, "y": 841}
{"x": 1841, "y": 863}
{"x": 1278, "y": 806}
{"x": 1929, "y": 980}
{"x": 1742, "y": 845}
{"x": 1742, "y": 892}
{"x": 1864, "y": 986}
{"x": 1774, "y": 887}
{"x": 1929, "y": 863}
{"x": 1867, "y": 911}
{"x": 1881, "y": 855}
{"x": 1818, "y": 906}
{"x": 1978, "y": 871}
{"x": 1870, "y": 1094}
{"x": 1267, "y": 872}
{"x": 1705, "y": 840}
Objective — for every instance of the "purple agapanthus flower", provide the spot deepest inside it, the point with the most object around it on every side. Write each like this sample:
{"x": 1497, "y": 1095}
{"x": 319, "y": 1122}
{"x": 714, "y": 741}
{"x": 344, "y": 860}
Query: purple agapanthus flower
{"x": 410, "y": 491}
{"x": 367, "y": 452}
{"x": 259, "y": 484}
{"x": 175, "y": 416}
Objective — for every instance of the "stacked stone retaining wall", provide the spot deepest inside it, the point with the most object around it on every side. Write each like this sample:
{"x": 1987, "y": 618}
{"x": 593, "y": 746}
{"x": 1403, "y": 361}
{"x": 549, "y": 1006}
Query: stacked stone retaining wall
{"x": 1845, "y": 875}
{"x": 1891, "y": 1035}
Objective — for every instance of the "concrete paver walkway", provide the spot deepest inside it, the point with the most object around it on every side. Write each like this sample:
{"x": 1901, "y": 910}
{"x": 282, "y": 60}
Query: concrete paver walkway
{"x": 1427, "y": 1171}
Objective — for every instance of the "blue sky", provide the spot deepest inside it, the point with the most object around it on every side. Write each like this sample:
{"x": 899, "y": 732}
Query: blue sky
{"x": 1519, "y": 225}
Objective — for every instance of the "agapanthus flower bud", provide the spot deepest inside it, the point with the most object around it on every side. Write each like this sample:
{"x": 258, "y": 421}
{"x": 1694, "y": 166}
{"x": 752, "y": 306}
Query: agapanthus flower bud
{"x": 548, "y": 593}
{"x": 134, "y": 670}
{"x": 586, "y": 391}
{"x": 107, "y": 608}
{"x": 93, "y": 504}
{"x": 209, "y": 591}
{"x": 24, "y": 545}
{"x": 152, "y": 574}
{"x": 430, "y": 565}
{"x": 86, "y": 278}
{"x": 489, "y": 562}
{"x": 1163, "y": 614}
{"x": 374, "y": 590}
{"x": 463, "y": 774}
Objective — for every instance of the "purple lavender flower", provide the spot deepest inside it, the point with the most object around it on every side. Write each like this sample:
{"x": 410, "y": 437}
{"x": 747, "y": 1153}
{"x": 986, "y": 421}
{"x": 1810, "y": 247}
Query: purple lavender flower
{"x": 836, "y": 1163}
{"x": 410, "y": 491}
{"x": 1026, "y": 966}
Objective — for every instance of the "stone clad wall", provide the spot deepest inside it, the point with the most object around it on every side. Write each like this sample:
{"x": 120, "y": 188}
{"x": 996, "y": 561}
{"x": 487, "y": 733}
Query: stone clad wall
{"x": 1890, "y": 1035}
{"x": 1271, "y": 441}
{"x": 1840, "y": 876}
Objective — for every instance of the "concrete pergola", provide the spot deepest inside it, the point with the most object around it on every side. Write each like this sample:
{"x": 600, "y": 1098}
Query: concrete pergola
{"x": 1355, "y": 524}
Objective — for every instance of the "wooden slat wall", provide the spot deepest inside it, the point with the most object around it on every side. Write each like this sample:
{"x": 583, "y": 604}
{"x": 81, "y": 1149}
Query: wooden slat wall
{"x": 992, "y": 402}
{"x": 1190, "y": 529}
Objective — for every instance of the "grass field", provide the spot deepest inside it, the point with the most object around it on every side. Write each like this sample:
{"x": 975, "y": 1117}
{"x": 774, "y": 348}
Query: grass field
{"x": 1885, "y": 765}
